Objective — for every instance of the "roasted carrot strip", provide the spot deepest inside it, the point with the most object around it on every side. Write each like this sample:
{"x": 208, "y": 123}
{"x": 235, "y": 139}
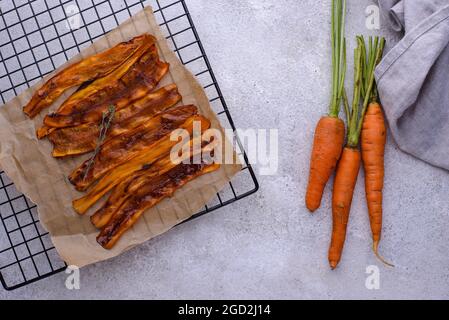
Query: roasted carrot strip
{"x": 127, "y": 146}
{"x": 151, "y": 104}
{"x": 130, "y": 185}
{"x": 149, "y": 193}
{"x": 122, "y": 192}
{"x": 83, "y": 138}
{"x": 118, "y": 175}
{"x": 98, "y": 92}
{"x": 80, "y": 99}
{"x": 74, "y": 140}
{"x": 88, "y": 69}
{"x": 141, "y": 79}
{"x": 109, "y": 181}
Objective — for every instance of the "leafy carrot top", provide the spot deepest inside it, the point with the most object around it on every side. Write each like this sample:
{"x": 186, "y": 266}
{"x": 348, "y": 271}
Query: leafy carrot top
{"x": 364, "y": 85}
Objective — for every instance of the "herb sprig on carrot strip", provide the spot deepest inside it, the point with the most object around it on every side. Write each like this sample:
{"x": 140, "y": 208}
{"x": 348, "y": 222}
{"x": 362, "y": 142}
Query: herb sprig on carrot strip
{"x": 349, "y": 165}
{"x": 330, "y": 131}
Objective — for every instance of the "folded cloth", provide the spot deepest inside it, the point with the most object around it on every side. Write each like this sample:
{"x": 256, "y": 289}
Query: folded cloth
{"x": 413, "y": 78}
{"x": 393, "y": 11}
{"x": 404, "y": 15}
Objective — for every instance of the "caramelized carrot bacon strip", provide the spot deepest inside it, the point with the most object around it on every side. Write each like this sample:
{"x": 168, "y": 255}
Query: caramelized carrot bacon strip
{"x": 130, "y": 185}
{"x": 127, "y": 146}
{"x": 99, "y": 90}
{"x": 150, "y": 191}
{"x": 150, "y": 105}
{"x": 83, "y": 138}
{"x": 80, "y": 98}
{"x": 141, "y": 165}
{"x": 139, "y": 80}
{"x": 74, "y": 140}
{"x": 88, "y": 69}
{"x": 116, "y": 176}
{"x": 119, "y": 195}
{"x": 120, "y": 173}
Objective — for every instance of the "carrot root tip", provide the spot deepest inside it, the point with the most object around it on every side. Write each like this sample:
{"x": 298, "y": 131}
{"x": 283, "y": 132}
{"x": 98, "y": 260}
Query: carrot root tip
{"x": 333, "y": 264}
{"x": 311, "y": 211}
{"x": 376, "y": 252}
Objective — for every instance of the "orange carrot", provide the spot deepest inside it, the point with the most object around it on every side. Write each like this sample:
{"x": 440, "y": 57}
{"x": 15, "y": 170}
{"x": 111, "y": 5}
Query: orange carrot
{"x": 374, "y": 138}
{"x": 344, "y": 184}
{"x": 349, "y": 165}
{"x": 330, "y": 131}
{"x": 327, "y": 147}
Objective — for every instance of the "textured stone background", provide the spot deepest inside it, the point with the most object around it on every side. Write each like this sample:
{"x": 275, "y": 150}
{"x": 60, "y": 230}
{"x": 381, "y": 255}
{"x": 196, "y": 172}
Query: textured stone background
{"x": 272, "y": 60}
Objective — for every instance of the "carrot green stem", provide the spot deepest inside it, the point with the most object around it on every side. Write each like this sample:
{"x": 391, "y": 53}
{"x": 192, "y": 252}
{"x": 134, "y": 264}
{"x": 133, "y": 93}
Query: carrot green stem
{"x": 338, "y": 55}
{"x": 343, "y": 73}
{"x": 376, "y": 58}
{"x": 346, "y": 105}
{"x": 364, "y": 84}
{"x": 364, "y": 66}
{"x": 358, "y": 84}
{"x": 375, "y": 93}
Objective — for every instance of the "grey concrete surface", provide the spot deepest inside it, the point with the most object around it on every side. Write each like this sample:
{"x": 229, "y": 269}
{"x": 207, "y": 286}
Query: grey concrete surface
{"x": 272, "y": 60}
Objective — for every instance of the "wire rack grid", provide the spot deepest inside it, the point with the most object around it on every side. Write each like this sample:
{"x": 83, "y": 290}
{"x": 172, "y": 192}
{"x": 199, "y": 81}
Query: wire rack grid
{"x": 37, "y": 36}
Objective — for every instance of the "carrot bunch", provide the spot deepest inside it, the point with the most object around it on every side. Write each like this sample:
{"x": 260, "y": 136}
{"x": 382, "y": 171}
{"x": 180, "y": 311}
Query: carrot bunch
{"x": 368, "y": 123}
{"x": 365, "y": 122}
{"x": 330, "y": 131}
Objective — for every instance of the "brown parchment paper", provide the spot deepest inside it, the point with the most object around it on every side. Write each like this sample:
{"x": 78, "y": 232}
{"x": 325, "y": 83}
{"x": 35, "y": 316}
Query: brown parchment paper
{"x": 28, "y": 162}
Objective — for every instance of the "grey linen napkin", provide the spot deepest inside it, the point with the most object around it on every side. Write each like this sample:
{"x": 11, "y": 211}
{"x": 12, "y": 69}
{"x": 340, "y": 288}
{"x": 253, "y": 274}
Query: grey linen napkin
{"x": 413, "y": 78}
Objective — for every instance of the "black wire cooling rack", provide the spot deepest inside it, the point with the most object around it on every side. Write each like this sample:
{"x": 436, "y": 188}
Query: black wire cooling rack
{"x": 37, "y": 36}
